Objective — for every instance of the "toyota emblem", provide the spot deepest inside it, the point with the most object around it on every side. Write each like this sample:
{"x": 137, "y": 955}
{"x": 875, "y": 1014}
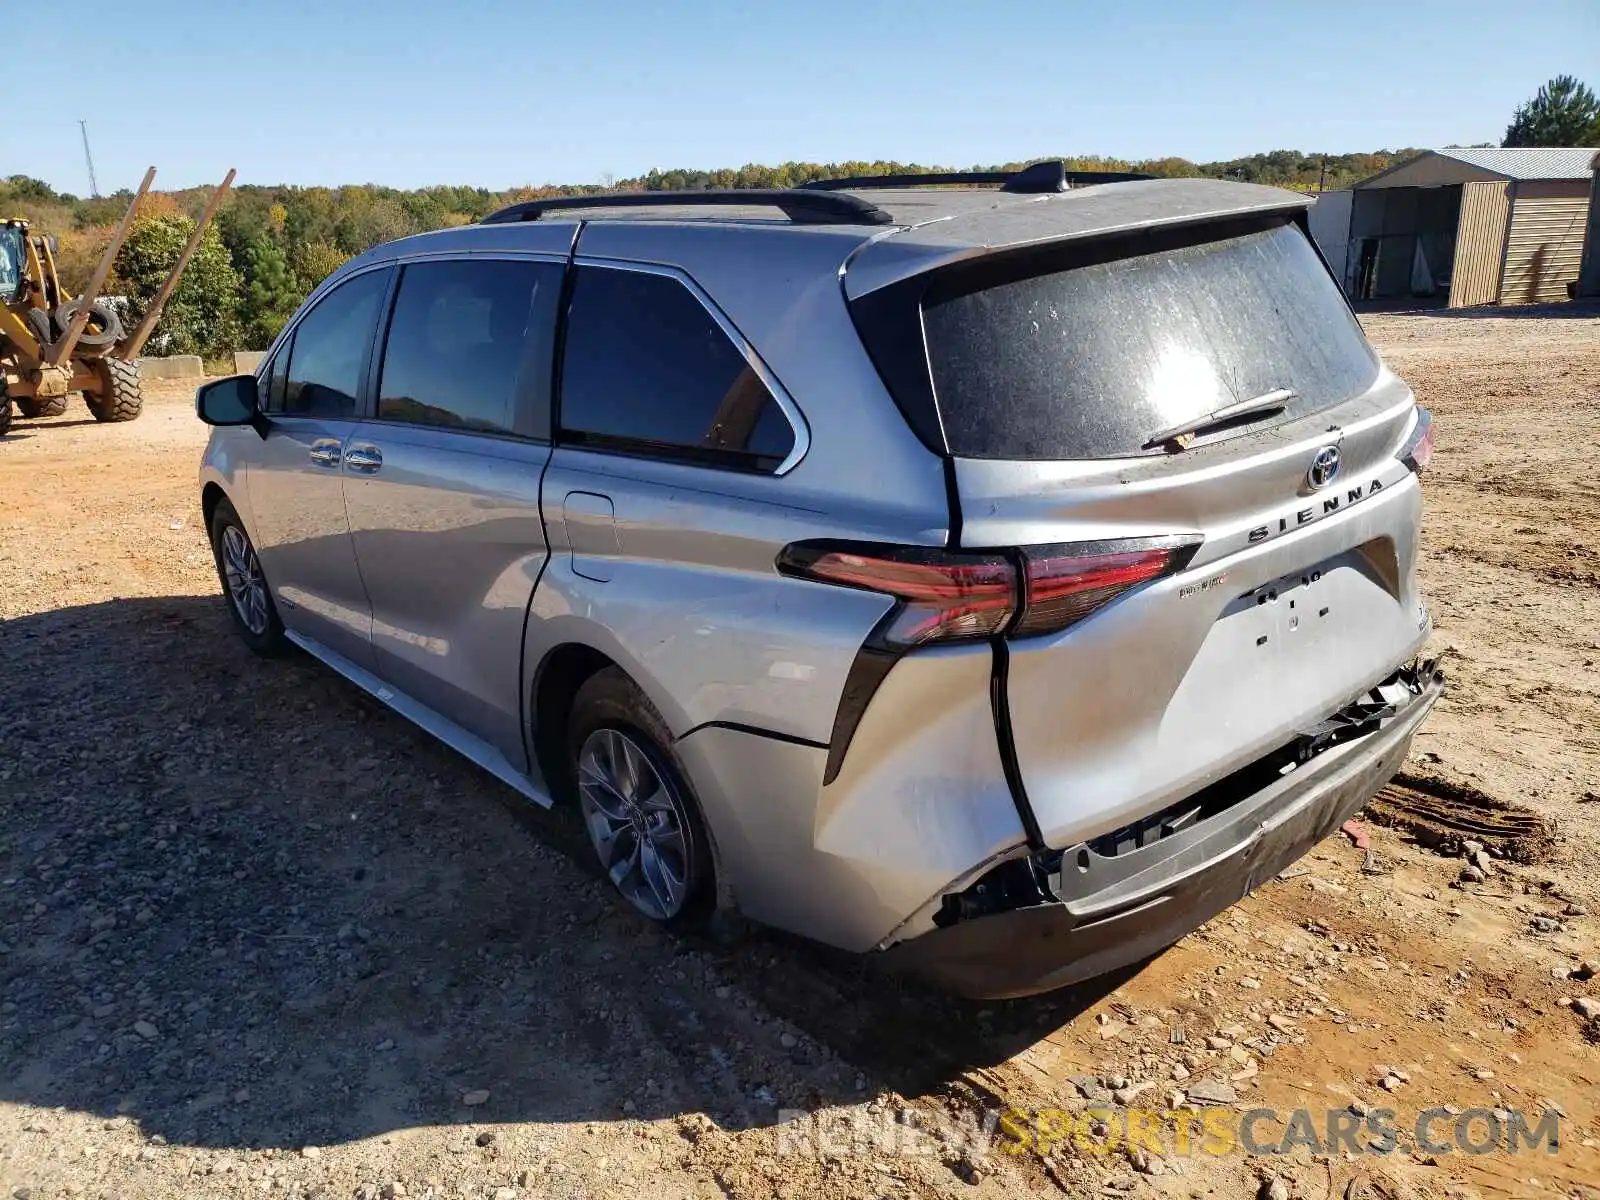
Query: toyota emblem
{"x": 1323, "y": 467}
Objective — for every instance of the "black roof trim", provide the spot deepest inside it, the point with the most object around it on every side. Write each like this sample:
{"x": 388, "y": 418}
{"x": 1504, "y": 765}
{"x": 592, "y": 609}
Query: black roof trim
{"x": 1041, "y": 177}
{"x": 806, "y": 208}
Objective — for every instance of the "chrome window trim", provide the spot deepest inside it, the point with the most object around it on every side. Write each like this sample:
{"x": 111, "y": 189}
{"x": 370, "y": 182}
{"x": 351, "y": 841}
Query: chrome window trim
{"x": 780, "y": 394}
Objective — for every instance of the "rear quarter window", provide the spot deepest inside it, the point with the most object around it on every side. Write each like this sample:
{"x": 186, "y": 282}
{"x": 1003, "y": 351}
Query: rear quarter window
{"x": 649, "y": 372}
{"x": 1090, "y": 361}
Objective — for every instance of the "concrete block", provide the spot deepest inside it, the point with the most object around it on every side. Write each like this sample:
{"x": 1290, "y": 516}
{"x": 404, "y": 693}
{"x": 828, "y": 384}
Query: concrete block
{"x": 245, "y": 362}
{"x": 176, "y": 366}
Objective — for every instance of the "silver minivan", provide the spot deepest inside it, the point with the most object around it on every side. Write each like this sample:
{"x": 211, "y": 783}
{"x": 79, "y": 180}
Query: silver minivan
{"x": 1001, "y": 578}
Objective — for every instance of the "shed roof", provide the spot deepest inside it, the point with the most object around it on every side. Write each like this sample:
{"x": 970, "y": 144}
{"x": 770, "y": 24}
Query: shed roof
{"x": 1530, "y": 162}
{"x": 1465, "y": 164}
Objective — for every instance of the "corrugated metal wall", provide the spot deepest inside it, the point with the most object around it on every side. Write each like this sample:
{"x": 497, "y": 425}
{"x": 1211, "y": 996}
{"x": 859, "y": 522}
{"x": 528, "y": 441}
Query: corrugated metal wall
{"x": 1480, "y": 244}
{"x": 1544, "y": 245}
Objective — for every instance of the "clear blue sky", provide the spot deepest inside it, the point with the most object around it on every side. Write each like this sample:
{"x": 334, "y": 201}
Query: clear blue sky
{"x": 497, "y": 93}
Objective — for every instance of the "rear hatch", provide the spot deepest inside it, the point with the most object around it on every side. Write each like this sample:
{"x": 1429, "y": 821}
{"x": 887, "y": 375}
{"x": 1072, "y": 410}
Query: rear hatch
{"x": 1246, "y": 576}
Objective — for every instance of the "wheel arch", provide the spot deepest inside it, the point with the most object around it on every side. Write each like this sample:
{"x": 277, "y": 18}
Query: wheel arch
{"x": 211, "y": 495}
{"x": 222, "y": 477}
{"x": 556, "y": 680}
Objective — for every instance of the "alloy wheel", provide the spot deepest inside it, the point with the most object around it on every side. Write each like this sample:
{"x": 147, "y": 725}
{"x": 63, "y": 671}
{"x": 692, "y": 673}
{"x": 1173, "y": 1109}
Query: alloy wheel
{"x": 247, "y": 587}
{"x": 636, "y": 821}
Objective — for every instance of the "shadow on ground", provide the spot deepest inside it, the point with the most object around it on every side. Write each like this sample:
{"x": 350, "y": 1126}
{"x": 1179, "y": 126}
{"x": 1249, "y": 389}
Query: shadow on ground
{"x": 248, "y": 906}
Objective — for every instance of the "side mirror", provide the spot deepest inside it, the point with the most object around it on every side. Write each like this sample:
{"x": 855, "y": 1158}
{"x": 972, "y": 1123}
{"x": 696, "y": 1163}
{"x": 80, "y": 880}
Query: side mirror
{"x": 232, "y": 401}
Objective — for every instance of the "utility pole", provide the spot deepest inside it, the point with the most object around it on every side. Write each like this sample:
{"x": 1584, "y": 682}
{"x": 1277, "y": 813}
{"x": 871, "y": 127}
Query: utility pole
{"x": 94, "y": 188}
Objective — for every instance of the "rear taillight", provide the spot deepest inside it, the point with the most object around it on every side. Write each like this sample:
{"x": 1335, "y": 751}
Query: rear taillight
{"x": 1067, "y": 583}
{"x": 1417, "y": 453}
{"x": 943, "y": 596}
{"x": 952, "y": 595}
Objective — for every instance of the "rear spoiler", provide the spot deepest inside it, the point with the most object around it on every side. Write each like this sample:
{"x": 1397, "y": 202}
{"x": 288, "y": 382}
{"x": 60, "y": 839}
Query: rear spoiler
{"x": 1087, "y": 213}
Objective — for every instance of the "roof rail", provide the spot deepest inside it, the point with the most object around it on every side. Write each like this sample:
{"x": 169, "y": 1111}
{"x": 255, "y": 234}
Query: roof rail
{"x": 1041, "y": 177}
{"x": 806, "y": 208}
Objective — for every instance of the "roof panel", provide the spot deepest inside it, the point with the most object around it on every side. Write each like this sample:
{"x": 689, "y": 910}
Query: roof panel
{"x": 1527, "y": 162}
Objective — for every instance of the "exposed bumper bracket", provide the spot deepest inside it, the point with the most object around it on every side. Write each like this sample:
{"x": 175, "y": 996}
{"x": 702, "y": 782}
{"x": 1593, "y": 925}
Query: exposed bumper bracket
{"x": 1052, "y": 919}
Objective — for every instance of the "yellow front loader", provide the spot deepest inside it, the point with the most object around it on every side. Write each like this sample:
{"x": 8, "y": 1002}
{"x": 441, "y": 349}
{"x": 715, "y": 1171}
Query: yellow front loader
{"x": 52, "y": 344}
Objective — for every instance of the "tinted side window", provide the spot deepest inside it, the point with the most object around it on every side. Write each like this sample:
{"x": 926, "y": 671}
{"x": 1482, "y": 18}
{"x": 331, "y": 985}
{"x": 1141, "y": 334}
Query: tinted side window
{"x": 330, "y": 349}
{"x": 648, "y": 370}
{"x": 277, "y": 377}
{"x": 462, "y": 338}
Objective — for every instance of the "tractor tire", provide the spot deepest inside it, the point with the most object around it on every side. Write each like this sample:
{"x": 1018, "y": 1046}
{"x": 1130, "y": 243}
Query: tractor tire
{"x": 5, "y": 410}
{"x": 103, "y": 331}
{"x": 120, "y": 397}
{"x": 32, "y": 406}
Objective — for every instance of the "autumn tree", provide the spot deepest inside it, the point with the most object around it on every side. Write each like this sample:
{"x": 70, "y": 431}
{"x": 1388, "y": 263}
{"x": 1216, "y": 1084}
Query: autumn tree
{"x": 312, "y": 262}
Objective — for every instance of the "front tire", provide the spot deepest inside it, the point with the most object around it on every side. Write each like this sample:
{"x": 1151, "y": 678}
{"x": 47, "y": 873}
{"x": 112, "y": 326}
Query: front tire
{"x": 5, "y": 409}
{"x": 642, "y": 818}
{"x": 244, "y": 587}
{"x": 120, "y": 396}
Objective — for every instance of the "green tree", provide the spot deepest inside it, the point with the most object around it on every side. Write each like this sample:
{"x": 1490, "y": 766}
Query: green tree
{"x": 245, "y": 216}
{"x": 1564, "y": 113}
{"x": 312, "y": 262}
{"x": 24, "y": 187}
{"x": 271, "y": 293}
{"x": 202, "y": 316}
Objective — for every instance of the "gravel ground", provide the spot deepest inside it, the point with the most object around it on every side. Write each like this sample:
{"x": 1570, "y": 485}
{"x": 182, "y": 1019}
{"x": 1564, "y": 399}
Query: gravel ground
{"x": 258, "y": 936}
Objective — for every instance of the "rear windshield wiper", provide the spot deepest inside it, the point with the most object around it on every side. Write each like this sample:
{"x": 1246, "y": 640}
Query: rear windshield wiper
{"x": 1179, "y": 436}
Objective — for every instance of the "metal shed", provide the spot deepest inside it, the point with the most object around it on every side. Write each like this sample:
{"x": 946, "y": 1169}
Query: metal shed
{"x": 1474, "y": 226}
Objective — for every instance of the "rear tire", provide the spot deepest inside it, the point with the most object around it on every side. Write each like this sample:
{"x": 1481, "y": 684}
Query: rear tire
{"x": 121, "y": 394}
{"x": 244, "y": 587}
{"x": 641, "y": 815}
{"x": 5, "y": 409}
{"x": 32, "y": 406}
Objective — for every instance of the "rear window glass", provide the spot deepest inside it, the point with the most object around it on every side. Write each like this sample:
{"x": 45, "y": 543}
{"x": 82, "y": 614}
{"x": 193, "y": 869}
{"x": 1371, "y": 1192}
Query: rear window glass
{"x": 1091, "y": 362}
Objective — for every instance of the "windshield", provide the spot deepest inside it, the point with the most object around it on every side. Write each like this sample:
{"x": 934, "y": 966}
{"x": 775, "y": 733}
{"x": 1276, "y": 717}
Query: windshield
{"x": 11, "y": 263}
{"x": 1092, "y": 361}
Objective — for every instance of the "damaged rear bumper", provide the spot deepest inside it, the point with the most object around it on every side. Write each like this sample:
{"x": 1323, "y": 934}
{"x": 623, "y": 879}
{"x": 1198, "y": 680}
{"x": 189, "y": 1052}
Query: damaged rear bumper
{"x": 1042, "y": 923}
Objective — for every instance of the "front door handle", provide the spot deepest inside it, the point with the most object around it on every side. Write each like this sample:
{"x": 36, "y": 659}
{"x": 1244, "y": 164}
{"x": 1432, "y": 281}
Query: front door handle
{"x": 325, "y": 452}
{"x": 363, "y": 458}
